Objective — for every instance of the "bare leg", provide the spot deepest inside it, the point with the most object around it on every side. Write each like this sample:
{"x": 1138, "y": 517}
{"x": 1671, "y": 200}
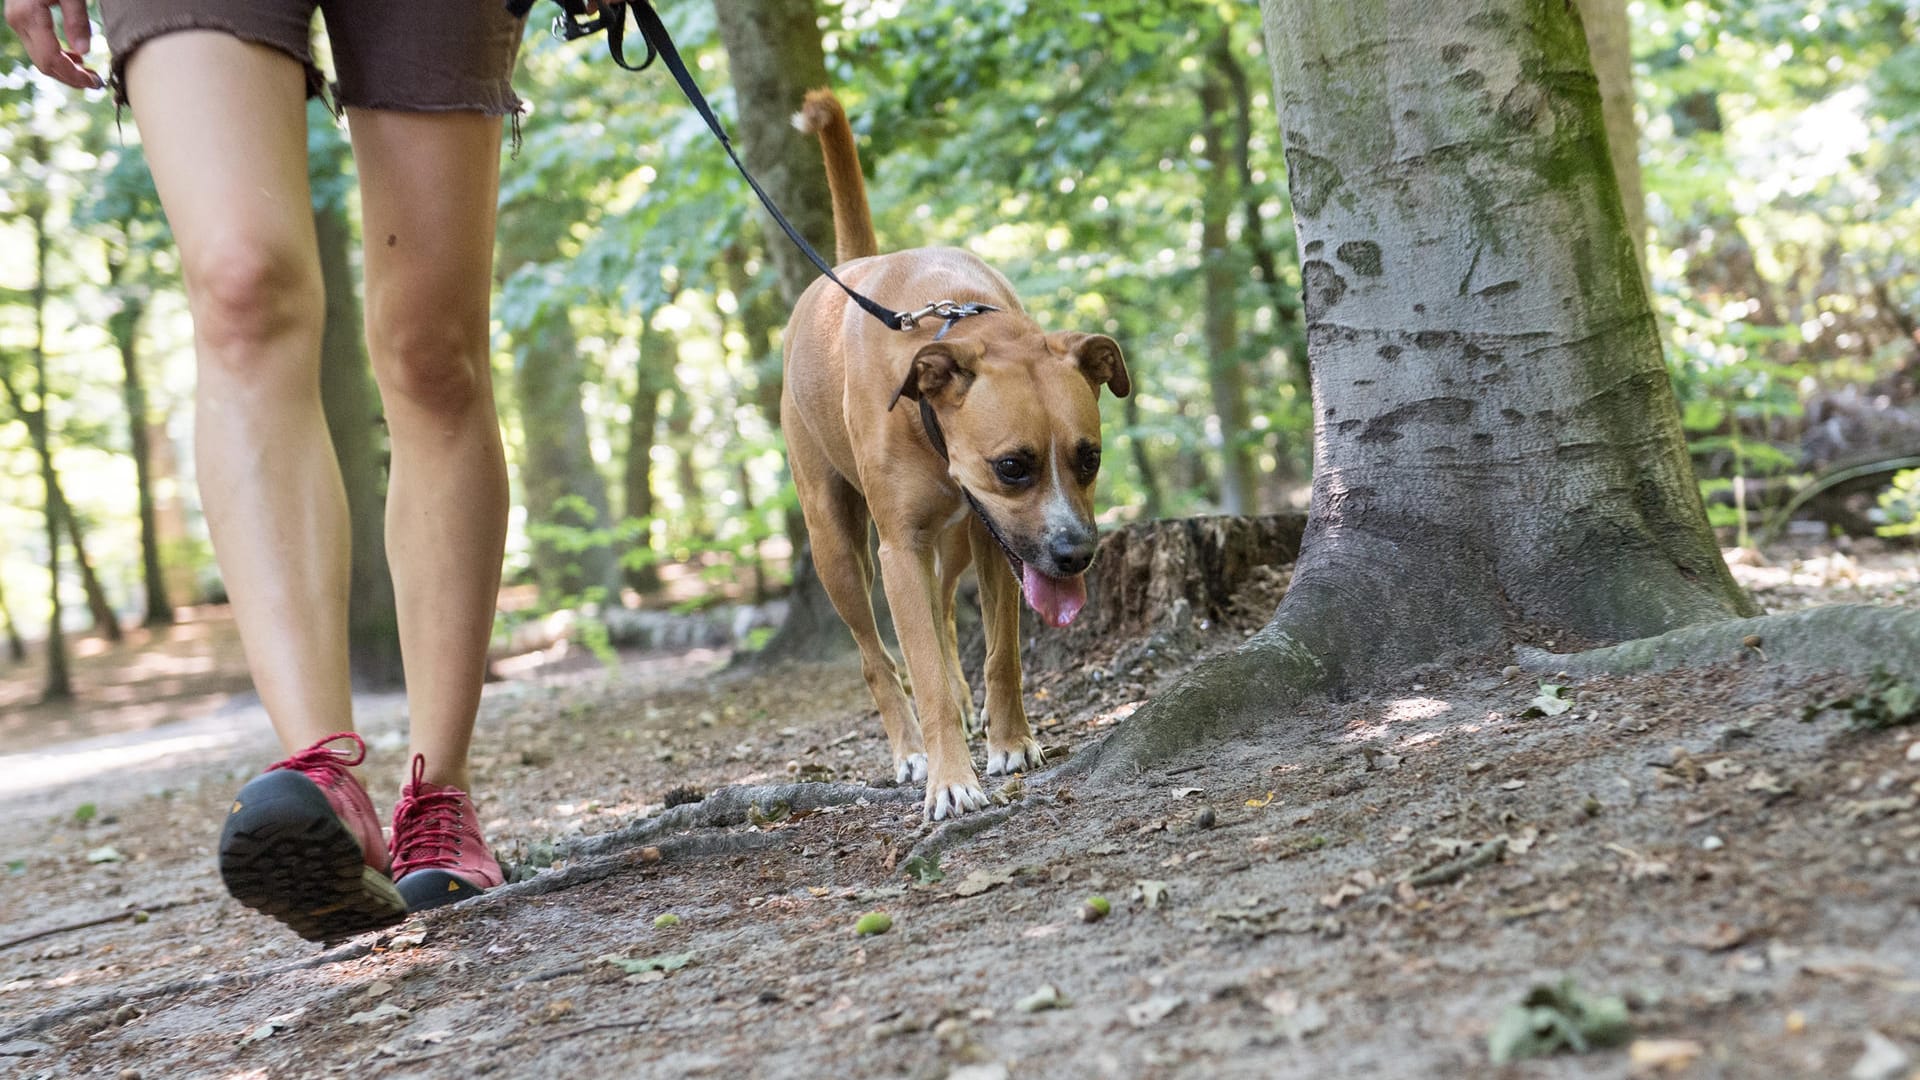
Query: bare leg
{"x": 428, "y": 184}
{"x": 223, "y": 123}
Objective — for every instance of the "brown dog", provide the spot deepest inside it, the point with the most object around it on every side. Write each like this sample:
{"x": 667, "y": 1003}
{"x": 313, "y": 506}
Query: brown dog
{"x": 1019, "y": 410}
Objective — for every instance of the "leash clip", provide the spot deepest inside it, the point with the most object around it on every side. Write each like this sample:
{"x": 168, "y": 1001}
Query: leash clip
{"x": 942, "y": 309}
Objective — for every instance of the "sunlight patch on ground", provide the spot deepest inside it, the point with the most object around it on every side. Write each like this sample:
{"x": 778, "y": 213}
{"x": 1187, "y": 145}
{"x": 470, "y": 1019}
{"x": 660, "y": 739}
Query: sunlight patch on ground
{"x": 1400, "y": 711}
{"x": 20, "y": 773}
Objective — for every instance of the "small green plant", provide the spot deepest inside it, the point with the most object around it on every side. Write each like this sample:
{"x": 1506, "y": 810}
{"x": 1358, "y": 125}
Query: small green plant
{"x": 1899, "y": 506}
{"x": 85, "y": 812}
{"x": 1887, "y": 701}
{"x": 924, "y": 869}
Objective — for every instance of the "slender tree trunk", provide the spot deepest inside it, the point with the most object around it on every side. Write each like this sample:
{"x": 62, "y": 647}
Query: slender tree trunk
{"x": 654, "y": 375}
{"x": 1253, "y": 229}
{"x": 124, "y": 324}
{"x": 59, "y": 684}
{"x": 352, "y": 406}
{"x": 1497, "y": 443}
{"x": 1155, "y": 506}
{"x": 1239, "y": 480}
{"x": 775, "y": 56}
{"x": 1610, "y": 42}
{"x": 106, "y": 621}
{"x": 16, "y": 647}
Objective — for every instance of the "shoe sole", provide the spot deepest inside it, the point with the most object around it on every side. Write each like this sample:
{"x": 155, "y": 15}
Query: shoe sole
{"x": 286, "y": 854}
{"x": 425, "y": 889}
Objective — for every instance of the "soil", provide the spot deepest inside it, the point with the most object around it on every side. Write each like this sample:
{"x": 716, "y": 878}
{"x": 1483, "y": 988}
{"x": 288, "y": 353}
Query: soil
{"x": 1323, "y": 901}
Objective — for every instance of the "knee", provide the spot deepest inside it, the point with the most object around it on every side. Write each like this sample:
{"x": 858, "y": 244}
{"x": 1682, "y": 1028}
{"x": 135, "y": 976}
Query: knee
{"x": 432, "y": 365}
{"x": 249, "y": 297}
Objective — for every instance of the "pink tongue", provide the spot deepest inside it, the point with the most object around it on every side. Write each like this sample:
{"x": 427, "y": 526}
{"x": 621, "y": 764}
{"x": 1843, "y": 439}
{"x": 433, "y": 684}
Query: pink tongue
{"x": 1057, "y": 600}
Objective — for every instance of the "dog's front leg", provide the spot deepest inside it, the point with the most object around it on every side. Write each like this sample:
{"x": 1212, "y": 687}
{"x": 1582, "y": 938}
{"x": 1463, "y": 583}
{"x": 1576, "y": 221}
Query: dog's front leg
{"x": 1010, "y": 744}
{"x": 913, "y": 593}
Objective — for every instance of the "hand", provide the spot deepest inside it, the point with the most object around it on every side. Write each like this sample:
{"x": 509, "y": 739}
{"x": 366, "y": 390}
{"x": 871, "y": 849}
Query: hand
{"x": 33, "y": 21}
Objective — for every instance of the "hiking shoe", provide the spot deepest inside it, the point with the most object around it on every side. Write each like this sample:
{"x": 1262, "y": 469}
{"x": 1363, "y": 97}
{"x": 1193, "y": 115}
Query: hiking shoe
{"x": 303, "y": 845}
{"x": 438, "y": 854}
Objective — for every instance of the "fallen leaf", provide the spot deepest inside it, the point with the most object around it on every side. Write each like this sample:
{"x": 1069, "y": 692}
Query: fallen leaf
{"x": 1548, "y": 702}
{"x": 1555, "y": 1018}
{"x": 412, "y": 940}
{"x": 1153, "y": 893}
{"x": 1153, "y": 1010}
{"x": 380, "y": 1015}
{"x": 635, "y": 966}
{"x": 1047, "y": 997}
{"x": 379, "y": 988}
{"x": 1645, "y": 1057}
{"x": 1721, "y": 768}
{"x": 105, "y": 854}
{"x": 1513, "y": 785}
{"x": 1181, "y": 793}
{"x": 1263, "y": 801}
{"x": 980, "y": 881}
{"x": 1716, "y": 938}
{"x": 1880, "y": 1059}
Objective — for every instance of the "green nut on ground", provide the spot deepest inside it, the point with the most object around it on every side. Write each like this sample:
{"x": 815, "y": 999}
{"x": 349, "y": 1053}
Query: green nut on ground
{"x": 873, "y": 922}
{"x": 665, "y": 921}
{"x": 1095, "y": 909}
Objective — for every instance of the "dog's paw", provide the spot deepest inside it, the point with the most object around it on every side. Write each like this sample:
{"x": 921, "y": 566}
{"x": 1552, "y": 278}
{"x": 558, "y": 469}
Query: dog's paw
{"x": 1023, "y": 758}
{"x": 951, "y": 801}
{"x": 911, "y": 769}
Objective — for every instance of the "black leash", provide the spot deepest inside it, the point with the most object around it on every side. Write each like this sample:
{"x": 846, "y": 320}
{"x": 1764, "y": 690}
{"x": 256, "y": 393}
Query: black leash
{"x": 571, "y": 25}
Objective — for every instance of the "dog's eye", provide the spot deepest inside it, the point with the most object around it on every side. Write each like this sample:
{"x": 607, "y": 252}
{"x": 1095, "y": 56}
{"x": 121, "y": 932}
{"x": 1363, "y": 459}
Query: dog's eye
{"x": 1087, "y": 463}
{"x": 1015, "y": 471}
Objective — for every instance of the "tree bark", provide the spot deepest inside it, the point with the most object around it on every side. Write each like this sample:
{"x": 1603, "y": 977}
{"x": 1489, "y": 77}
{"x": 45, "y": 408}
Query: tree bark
{"x": 1239, "y": 480}
{"x": 775, "y": 56}
{"x": 124, "y": 324}
{"x": 1610, "y": 43}
{"x": 106, "y": 622}
{"x": 560, "y": 483}
{"x": 352, "y": 408}
{"x": 1497, "y": 445}
{"x": 654, "y": 375}
{"x": 16, "y": 647}
{"x": 59, "y": 684}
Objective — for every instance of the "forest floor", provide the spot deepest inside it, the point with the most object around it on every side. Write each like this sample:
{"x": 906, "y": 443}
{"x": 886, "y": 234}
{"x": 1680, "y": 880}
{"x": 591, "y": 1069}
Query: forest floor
{"x": 1746, "y": 883}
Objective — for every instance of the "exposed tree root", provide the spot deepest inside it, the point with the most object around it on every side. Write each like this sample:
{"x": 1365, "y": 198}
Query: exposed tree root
{"x": 87, "y": 924}
{"x": 181, "y": 987}
{"x": 731, "y": 806}
{"x": 1852, "y": 638}
{"x": 952, "y": 832}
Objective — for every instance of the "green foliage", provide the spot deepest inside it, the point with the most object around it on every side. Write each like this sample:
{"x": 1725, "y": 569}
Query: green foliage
{"x": 1899, "y": 506}
{"x": 1555, "y": 1018}
{"x": 1886, "y": 701}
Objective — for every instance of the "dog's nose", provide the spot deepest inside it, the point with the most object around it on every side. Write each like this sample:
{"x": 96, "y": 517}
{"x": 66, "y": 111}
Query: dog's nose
{"x": 1071, "y": 553}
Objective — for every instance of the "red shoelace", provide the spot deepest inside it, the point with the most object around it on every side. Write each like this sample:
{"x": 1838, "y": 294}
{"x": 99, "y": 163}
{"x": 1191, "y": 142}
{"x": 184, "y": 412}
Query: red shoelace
{"x": 330, "y": 765}
{"x": 426, "y": 824}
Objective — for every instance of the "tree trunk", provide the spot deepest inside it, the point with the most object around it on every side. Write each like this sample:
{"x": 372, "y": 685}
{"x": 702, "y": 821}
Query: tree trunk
{"x": 16, "y": 647}
{"x": 352, "y": 408}
{"x": 59, "y": 684}
{"x": 106, "y": 622}
{"x": 1610, "y": 43}
{"x": 775, "y": 56}
{"x": 124, "y": 324}
{"x": 1153, "y": 505}
{"x": 654, "y": 375}
{"x": 560, "y": 483}
{"x": 1220, "y": 277}
{"x": 1253, "y": 229}
{"x": 1497, "y": 444}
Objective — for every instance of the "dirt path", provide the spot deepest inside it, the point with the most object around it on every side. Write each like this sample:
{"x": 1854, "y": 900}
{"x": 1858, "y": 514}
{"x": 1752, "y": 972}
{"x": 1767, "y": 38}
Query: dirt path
{"x": 1748, "y": 883}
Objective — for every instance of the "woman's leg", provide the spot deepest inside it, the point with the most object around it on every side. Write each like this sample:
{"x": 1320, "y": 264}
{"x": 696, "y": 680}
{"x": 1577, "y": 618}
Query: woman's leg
{"x": 428, "y": 183}
{"x": 223, "y": 125}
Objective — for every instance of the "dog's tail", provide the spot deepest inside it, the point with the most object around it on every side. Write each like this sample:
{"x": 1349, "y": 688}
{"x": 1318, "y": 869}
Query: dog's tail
{"x": 852, "y": 219}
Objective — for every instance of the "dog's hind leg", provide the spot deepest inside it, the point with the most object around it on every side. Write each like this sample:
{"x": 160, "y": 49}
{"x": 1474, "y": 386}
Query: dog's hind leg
{"x": 837, "y": 521}
{"x": 1011, "y": 747}
{"x": 956, "y": 551}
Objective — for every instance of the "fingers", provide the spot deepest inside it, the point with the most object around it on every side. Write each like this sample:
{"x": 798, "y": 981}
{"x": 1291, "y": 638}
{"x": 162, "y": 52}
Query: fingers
{"x": 79, "y": 29}
{"x": 33, "y": 21}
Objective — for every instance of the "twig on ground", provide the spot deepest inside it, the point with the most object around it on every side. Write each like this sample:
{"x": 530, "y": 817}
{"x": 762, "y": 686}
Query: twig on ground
{"x": 87, "y": 924}
{"x": 971, "y": 825}
{"x": 730, "y": 806}
{"x": 1458, "y": 868}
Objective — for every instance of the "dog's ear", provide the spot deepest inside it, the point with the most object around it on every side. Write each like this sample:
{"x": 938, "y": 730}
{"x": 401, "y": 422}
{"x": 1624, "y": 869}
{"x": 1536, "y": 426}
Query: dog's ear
{"x": 1099, "y": 359}
{"x": 937, "y": 367}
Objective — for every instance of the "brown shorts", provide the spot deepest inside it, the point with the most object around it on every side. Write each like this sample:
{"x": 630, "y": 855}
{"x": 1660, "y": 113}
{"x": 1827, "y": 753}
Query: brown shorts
{"x": 388, "y": 54}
